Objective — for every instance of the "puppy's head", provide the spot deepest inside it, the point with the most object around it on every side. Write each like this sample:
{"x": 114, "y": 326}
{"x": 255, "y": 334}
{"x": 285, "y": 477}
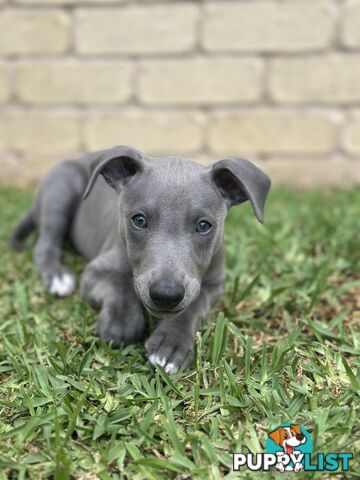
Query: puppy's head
{"x": 288, "y": 437}
{"x": 172, "y": 214}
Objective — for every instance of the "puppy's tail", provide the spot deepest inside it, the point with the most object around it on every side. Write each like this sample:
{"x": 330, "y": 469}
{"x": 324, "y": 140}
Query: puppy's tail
{"x": 22, "y": 231}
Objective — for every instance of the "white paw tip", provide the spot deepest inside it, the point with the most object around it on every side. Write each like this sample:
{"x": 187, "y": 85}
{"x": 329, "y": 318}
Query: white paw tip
{"x": 171, "y": 368}
{"x": 156, "y": 360}
{"x": 63, "y": 285}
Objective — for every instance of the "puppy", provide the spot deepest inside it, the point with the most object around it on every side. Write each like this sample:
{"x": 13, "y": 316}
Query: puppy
{"x": 152, "y": 233}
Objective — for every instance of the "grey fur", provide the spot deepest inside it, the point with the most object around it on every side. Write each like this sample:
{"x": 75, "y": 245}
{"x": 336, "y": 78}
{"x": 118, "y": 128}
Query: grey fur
{"x": 125, "y": 260}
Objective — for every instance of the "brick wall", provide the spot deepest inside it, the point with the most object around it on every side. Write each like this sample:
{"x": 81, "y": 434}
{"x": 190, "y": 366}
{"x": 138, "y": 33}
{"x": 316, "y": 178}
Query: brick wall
{"x": 277, "y": 81}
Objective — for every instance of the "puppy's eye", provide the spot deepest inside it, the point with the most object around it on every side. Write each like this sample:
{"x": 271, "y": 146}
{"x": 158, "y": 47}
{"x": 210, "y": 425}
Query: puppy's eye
{"x": 139, "y": 221}
{"x": 203, "y": 227}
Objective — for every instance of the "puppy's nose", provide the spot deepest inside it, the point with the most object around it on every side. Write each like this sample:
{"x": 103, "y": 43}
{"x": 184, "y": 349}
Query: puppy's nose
{"x": 166, "y": 294}
{"x": 300, "y": 436}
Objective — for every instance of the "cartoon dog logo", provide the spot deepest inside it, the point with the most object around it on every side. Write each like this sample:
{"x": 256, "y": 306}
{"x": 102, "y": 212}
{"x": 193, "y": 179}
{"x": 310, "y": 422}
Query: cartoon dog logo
{"x": 288, "y": 438}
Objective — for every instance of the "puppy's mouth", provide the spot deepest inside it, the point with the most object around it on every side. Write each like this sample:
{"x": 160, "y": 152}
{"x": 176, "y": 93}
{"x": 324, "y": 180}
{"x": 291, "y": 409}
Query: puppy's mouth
{"x": 289, "y": 449}
{"x": 161, "y": 313}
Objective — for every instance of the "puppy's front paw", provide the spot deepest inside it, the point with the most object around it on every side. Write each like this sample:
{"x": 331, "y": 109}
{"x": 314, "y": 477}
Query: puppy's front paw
{"x": 120, "y": 328}
{"x": 170, "y": 349}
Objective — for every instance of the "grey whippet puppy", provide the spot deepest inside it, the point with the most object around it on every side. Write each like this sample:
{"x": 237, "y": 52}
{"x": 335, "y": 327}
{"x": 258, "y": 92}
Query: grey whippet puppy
{"x": 154, "y": 239}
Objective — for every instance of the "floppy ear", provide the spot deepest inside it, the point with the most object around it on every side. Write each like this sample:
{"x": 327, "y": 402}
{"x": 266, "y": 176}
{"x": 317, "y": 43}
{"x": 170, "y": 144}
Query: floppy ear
{"x": 118, "y": 166}
{"x": 296, "y": 428}
{"x": 239, "y": 180}
{"x": 275, "y": 436}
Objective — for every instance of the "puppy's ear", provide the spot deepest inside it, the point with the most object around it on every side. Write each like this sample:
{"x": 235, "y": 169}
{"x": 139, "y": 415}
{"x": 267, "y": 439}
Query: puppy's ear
{"x": 118, "y": 166}
{"x": 276, "y": 436}
{"x": 239, "y": 180}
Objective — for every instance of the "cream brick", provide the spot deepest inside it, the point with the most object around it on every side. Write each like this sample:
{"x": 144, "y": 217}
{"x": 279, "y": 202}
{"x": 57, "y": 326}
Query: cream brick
{"x": 3, "y": 134}
{"x": 141, "y": 29}
{"x": 11, "y": 172}
{"x": 43, "y": 132}
{"x": 332, "y": 80}
{"x": 205, "y": 81}
{"x": 26, "y": 171}
{"x": 154, "y": 132}
{"x": 33, "y": 32}
{"x": 350, "y": 30}
{"x": 266, "y": 132}
{"x": 351, "y": 135}
{"x": 72, "y": 2}
{"x": 5, "y": 90}
{"x": 305, "y": 174}
{"x": 78, "y": 83}
{"x": 267, "y": 26}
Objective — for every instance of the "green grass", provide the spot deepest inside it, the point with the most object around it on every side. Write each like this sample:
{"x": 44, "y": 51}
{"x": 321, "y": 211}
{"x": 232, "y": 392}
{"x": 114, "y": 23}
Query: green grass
{"x": 281, "y": 345}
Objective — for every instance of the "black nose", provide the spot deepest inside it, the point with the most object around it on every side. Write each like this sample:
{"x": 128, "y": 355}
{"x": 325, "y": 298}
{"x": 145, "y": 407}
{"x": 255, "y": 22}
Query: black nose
{"x": 166, "y": 294}
{"x": 300, "y": 436}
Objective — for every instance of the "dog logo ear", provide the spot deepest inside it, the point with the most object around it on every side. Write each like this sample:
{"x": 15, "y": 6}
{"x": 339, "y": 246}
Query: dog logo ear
{"x": 276, "y": 436}
{"x": 296, "y": 428}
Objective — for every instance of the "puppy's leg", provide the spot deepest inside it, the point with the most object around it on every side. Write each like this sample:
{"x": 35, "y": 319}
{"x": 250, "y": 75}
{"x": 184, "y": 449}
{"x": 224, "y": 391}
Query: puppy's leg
{"x": 172, "y": 343}
{"x": 106, "y": 286}
{"x": 56, "y": 203}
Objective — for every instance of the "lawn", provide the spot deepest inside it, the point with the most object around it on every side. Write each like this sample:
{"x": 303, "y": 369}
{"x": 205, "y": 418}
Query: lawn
{"x": 281, "y": 345}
